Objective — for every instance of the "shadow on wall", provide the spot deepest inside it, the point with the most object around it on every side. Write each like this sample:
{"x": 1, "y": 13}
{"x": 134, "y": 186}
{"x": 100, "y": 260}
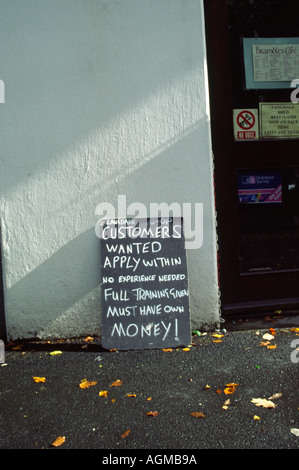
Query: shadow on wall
{"x": 42, "y": 291}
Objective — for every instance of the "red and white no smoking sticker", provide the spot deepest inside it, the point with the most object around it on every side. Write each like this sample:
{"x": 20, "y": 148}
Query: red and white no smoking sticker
{"x": 245, "y": 124}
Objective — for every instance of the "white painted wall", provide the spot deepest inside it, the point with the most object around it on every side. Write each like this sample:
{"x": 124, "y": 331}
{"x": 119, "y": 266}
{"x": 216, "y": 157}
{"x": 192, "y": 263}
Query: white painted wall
{"x": 102, "y": 97}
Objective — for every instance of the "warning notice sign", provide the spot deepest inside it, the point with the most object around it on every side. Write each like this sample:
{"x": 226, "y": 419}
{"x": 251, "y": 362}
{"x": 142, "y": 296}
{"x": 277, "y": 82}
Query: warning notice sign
{"x": 246, "y": 124}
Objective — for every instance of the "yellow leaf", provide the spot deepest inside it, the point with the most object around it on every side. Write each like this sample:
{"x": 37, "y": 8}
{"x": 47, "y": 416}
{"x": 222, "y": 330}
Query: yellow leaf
{"x": 103, "y": 393}
{"x": 263, "y": 402}
{"x": 86, "y": 384}
{"x": 152, "y": 413}
{"x": 167, "y": 350}
{"x": 296, "y": 330}
{"x": 197, "y": 414}
{"x": 117, "y": 383}
{"x": 131, "y": 395}
{"x": 186, "y": 349}
{"x": 216, "y": 335}
{"x": 216, "y": 340}
{"x": 126, "y": 433}
{"x": 230, "y": 388}
{"x": 89, "y": 338}
{"x": 58, "y": 441}
{"x": 256, "y": 417}
{"x": 149, "y": 398}
{"x": 264, "y": 343}
{"x": 55, "y": 353}
{"x": 207, "y": 387}
{"x": 39, "y": 379}
{"x": 274, "y": 346}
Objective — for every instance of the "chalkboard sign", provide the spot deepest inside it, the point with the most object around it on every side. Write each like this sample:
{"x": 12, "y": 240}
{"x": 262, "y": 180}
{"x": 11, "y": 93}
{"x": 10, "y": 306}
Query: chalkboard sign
{"x": 144, "y": 286}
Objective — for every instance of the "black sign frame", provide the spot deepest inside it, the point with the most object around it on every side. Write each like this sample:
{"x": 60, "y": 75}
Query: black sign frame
{"x": 144, "y": 284}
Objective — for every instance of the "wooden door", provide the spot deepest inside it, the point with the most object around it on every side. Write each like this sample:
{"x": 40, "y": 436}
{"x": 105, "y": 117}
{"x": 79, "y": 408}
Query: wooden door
{"x": 258, "y": 241}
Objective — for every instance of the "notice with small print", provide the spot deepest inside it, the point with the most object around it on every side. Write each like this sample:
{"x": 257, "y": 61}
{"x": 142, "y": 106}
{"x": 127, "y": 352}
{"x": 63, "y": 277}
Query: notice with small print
{"x": 246, "y": 124}
{"x": 144, "y": 285}
{"x": 262, "y": 187}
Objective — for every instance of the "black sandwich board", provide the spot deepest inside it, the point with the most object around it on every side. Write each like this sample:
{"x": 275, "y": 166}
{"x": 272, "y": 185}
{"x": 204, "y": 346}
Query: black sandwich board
{"x": 144, "y": 284}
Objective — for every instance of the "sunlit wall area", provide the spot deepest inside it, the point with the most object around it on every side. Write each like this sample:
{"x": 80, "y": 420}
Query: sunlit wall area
{"x": 102, "y": 98}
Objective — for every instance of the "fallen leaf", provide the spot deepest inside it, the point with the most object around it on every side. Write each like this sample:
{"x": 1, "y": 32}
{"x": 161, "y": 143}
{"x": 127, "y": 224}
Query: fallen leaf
{"x": 149, "y": 398}
{"x": 225, "y": 404}
{"x": 295, "y": 431}
{"x": 276, "y": 395}
{"x": 39, "y": 379}
{"x": 152, "y": 413}
{"x": 207, "y": 387}
{"x": 216, "y": 335}
{"x": 167, "y": 350}
{"x": 126, "y": 433}
{"x": 131, "y": 395}
{"x": 263, "y": 402}
{"x": 103, "y": 393}
{"x": 89, "y": 338}
{"x": 273, "y": 346}
{"x": 230, "y": 388}
{"x": 264, "y": 343}
{"x": 268, "y": 337}
{"x": 216, "y": 340}
{"x": 197, "y": 414}
{"x": 117, "y": 383}
{"x": 186, "y": 349}
{"x": 256, "y": 417}
{"x": 55, "y": 353}
{"x": 58, "y": 441}
{"x": 86, "y": 384}
{"x": 218, "y": 391}
{"x": 273, "y": 332}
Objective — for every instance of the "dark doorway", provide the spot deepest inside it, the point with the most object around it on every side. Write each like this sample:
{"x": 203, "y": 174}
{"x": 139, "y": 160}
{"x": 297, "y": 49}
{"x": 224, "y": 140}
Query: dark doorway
{"x": 256, "y": 173}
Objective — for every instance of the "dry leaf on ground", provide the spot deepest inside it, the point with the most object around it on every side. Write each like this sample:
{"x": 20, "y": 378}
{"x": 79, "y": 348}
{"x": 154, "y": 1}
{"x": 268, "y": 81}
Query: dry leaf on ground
{"x": 295, "y": 431}
{"x": 225, "y": 404}
{"x": 39, "y": 379}
{"x": 103, "y": 393}
{"x": 197, "y": 414}
{"x": 152, "y": 413}
{"x": 58, "y": 441}
{"x": 116, "y": 383}
{"x": 230, "y": 388}
{"x": 268, "y": 337}
{"x": 86, "y": 384}
{"x": 126, "y": 433}
{"x": 276, "y": 395}
{"x": 263, "y": 402}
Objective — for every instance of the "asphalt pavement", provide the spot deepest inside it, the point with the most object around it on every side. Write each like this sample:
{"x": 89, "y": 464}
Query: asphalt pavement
{"x": 194, "y": 398}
